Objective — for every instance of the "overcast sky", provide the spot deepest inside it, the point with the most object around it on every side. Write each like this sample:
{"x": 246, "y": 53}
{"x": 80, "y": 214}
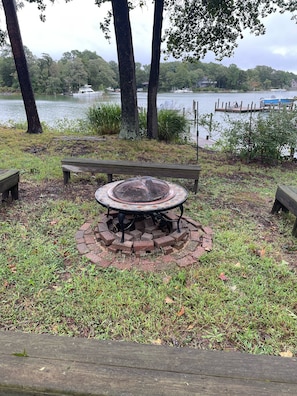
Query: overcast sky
{"x": 75, "y": 26}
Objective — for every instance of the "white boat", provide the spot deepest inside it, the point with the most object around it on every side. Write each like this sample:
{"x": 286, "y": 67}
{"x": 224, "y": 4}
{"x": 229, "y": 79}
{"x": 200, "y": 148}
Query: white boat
{"x": 183, "y": 90}
{"x": 86, "y": 90}
{"x": 112, "y": 90}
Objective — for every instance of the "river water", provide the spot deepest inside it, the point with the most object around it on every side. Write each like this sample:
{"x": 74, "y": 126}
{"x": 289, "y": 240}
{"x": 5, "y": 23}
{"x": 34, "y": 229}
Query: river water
{"x": 52, "y": 109}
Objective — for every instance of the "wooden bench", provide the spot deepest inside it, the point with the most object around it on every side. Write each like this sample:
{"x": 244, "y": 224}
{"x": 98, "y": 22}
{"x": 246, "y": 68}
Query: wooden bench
{"x": 130, "y": 168}
{"x": 286, "y": 200}
{"x": 9, "y": 182}
{"x": 45, "y": 364}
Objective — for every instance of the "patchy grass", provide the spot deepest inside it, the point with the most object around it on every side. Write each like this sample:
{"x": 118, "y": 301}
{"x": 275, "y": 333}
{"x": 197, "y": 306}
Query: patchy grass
{"x": 241, "y": 295}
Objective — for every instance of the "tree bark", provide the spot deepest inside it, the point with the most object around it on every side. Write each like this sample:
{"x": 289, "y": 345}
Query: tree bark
{"x": 152, "y": 111}
{"x": 130, "y": 124}
{"x": 12, "y": 23}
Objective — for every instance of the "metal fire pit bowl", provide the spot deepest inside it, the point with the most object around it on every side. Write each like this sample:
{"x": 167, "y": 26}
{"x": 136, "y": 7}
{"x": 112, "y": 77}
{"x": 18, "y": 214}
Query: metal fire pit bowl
{"x": 141, "y": 195}
{"x": 141, "y": 190}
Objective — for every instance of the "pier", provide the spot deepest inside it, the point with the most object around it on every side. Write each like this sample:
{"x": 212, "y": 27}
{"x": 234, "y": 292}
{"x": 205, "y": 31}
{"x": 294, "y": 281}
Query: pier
{"x": 235, "y": 107}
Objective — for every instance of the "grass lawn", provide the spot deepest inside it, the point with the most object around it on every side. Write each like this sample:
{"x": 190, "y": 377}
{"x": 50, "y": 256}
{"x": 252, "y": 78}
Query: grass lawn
{"x": 47, "y": 287}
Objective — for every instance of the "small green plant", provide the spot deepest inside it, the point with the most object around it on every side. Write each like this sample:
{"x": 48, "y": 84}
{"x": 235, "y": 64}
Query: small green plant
{"x": 21, "y": 354}
{"x": 105, "y": 119}
{"x": 172, "y": 126}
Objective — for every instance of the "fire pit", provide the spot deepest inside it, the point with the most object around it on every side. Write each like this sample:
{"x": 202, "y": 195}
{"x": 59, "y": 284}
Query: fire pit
{"x": 139, "y": 196}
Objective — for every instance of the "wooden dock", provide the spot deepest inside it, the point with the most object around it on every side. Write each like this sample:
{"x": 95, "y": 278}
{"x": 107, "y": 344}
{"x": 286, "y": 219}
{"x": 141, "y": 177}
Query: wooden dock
{"x": 235, "y": 107}
{"x": 33, "y": 364}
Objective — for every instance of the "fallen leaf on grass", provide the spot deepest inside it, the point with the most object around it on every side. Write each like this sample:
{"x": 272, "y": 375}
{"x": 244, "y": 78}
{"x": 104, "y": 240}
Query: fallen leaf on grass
{"x": 260, "y": 252}
{"x": 181, "y": 312}
{"x": 288, "y": 354}
{"x": 169, "y": 300}
{"x": 158, "y": 341}
{"x": 167, "y": 279}
{"x": 223, "y": 277}
{"x": 13, "y": 268}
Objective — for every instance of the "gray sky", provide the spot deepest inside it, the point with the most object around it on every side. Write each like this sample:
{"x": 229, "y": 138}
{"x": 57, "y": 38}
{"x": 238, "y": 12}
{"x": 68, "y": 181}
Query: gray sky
{"x": 75, "y": 26}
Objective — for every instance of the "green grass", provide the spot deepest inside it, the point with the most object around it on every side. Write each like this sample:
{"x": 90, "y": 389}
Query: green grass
{"x": 47, "y": 287}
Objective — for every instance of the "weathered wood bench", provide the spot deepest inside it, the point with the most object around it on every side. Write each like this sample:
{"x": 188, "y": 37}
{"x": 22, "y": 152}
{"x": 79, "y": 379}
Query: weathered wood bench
{"x": 130, "y": 168}
{"x": 44, "y": 364}
{"x": 286, "y": 200}
{"x": 9, "y": 182}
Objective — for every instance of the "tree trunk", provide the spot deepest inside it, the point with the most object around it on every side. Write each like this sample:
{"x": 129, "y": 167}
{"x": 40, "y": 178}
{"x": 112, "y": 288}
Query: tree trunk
{"x": 152, "y": 112}
{"x": 12, "y": 23}
{"x": 130, "y": 125}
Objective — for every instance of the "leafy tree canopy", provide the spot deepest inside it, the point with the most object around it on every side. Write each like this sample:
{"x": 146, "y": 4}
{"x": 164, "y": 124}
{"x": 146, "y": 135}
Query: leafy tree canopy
{"x": 197, "y": 27}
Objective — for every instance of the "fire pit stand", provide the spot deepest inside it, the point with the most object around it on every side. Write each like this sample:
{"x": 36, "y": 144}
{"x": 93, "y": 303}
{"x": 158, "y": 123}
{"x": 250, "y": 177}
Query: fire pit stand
{"x": 141, "y": 196}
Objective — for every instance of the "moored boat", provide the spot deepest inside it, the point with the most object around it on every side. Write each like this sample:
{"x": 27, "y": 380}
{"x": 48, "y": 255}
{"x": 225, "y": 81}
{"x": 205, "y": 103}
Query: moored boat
{"x": 87, "y": 90}
{"x": 183, "y": 90}
{"x": 276, "y": 101}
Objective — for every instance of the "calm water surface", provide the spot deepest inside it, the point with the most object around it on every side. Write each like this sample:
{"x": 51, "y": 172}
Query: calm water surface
{"x": 51, "y": 109}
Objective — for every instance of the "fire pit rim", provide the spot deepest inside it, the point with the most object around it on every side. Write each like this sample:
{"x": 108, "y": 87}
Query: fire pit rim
{"x": 103, "y": 198}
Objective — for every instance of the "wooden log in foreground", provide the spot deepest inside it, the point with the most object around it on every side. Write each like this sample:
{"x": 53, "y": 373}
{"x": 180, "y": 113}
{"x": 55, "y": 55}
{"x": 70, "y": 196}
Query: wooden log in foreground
{"x": 57, "y": 365}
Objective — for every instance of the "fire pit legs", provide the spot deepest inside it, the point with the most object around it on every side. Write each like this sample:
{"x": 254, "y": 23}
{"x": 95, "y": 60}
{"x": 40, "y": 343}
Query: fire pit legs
{"x": 181, "y": 207}
{"x": 121, "y": 218}
{"x": 142, "y": 196}
{"x": 122, "y": 215}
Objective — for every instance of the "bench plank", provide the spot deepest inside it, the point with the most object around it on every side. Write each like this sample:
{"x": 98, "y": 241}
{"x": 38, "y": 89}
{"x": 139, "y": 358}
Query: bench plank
{"x": 286, "y": 200}
{"x": 111, "y": 167}
{"x": 84, "y": 366}
{"x": 9, "y": 180}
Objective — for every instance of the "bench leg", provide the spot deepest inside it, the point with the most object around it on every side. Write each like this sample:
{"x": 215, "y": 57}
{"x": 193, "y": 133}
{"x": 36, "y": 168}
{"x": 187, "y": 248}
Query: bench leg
{"x": 196, "y": 186}
{"x": 109, "y": 177}
{"x": 5, "y": 195}
{"x": 66, "y": 176}
{"x": 277, "y": 206}
{"x": 294, "y": 232}
{"x": 15, "y": 192}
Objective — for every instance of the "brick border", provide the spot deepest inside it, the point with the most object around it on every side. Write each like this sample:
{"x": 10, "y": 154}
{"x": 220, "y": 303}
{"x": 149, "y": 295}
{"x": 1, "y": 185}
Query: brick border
{"x": 145, "y": 248}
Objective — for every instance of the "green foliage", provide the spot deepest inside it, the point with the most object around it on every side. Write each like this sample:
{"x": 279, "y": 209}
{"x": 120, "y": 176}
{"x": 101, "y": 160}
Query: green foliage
{"x": 105, "y": 119}
{"x": 76, "y": 68}
{"x": 197, "y": 27}
{"x": 21, "y": 354}
{"x": 267, "y": 137}
{"x": 172, "y": 126}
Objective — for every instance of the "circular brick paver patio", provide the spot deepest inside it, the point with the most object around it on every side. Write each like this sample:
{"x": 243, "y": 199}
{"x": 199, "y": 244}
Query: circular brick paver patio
{"x": 147, "y": 246}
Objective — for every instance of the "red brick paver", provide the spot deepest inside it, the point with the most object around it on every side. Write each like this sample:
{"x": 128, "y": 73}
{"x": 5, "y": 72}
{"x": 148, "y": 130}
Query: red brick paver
{"x": 145, "y": 248}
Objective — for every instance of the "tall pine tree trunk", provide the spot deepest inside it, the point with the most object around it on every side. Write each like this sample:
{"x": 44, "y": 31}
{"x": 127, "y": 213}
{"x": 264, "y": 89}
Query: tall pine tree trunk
{"x": 152, "y": 111}
{"x": 12, "y": 23}
{"x": 130, "y": 124}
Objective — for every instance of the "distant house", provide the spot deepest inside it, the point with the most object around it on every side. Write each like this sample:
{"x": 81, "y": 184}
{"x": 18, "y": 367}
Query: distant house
{"x": 205, "y": 82}
{"x": 293, "y": 84}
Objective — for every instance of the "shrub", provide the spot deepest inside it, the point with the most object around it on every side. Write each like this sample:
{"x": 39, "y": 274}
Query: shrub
{"x": 172, "y": 126}
{"x": 105, "y": 119}
{"x": 267, "y": 137}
